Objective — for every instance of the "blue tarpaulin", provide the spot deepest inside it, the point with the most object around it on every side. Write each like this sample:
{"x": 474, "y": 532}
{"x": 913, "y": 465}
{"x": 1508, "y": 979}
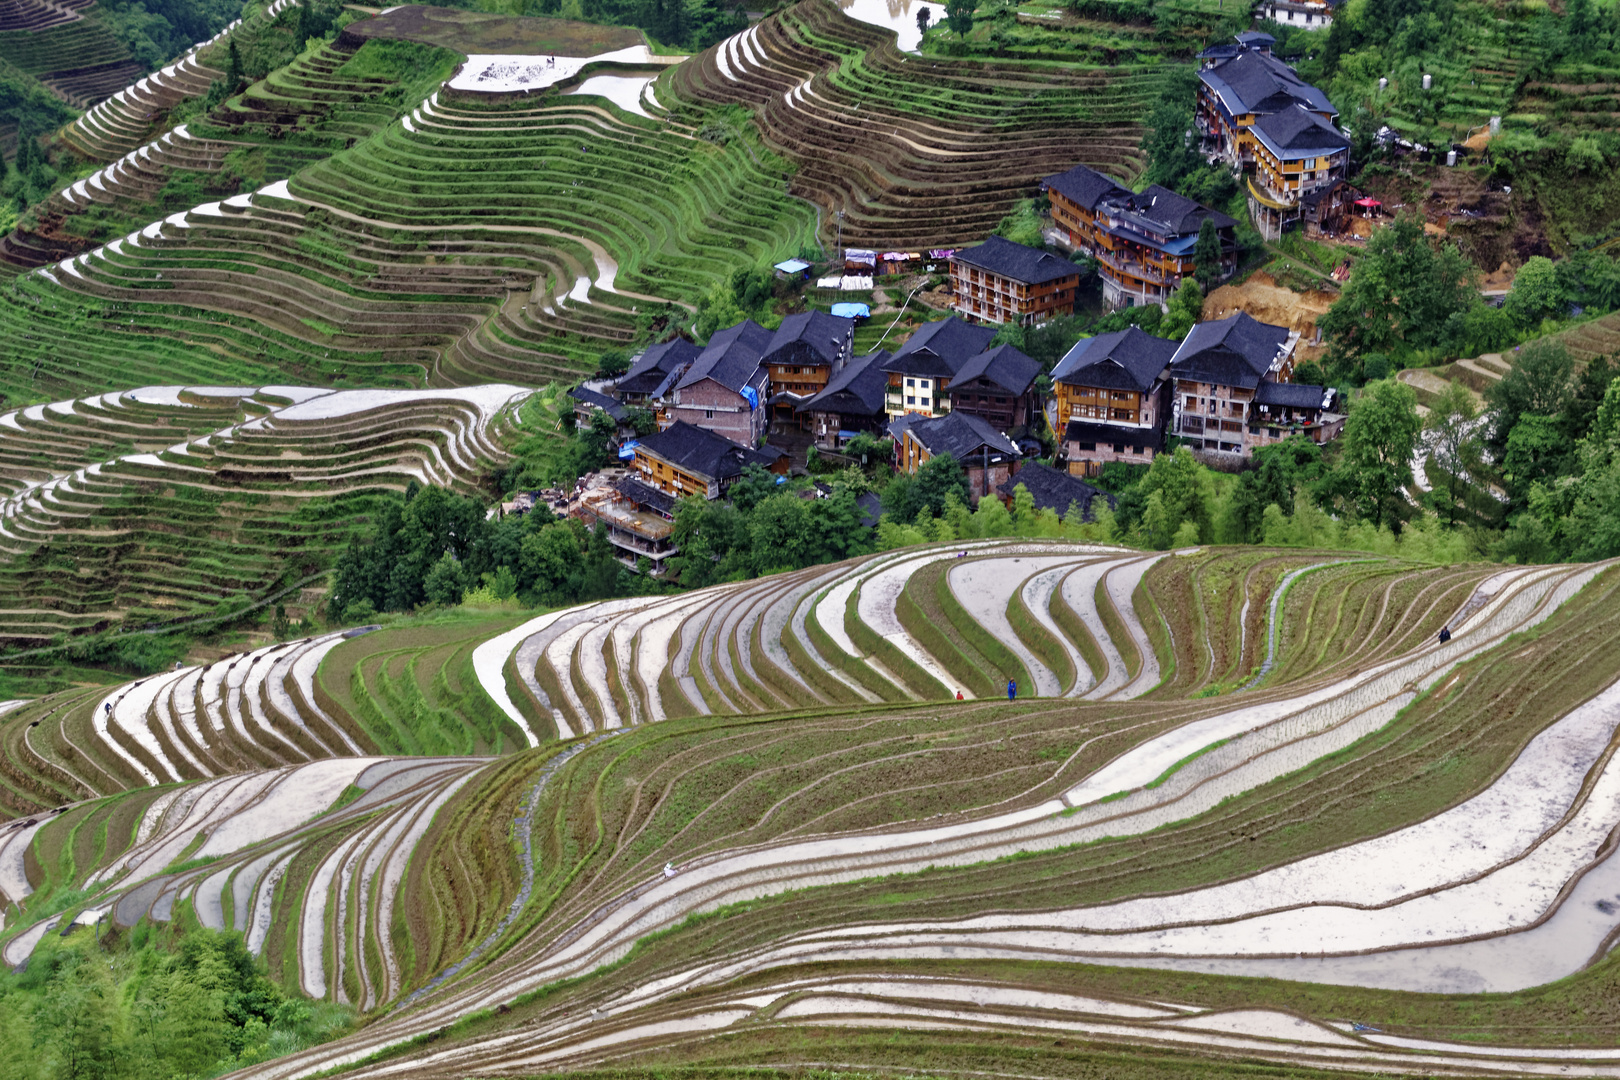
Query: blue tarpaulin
{"x": 852, "y": 311}
{"x": 751, "y": 396}
{"x": 627, "y": 449}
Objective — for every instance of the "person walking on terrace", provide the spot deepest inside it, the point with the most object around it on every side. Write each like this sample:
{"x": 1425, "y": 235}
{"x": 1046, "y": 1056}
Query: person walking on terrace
{"x": 1012, "y": 689}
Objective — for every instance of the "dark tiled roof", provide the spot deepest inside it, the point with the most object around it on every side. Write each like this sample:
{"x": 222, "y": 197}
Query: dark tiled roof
{"x": 1252, "y": 82}
{"x": 961, "y": 436}
{"x": 900, "y": 424}
{"x": 1053, "y": 489}
{"x": 825, "y": 334}
{"x": 1084, "y": 186}
{"x": 608, "y": 405}
{"x": 1234, "y": 351}
{"x": 1138, "y": 438}
{"x": 731, "y": 358}
{"x": 871, "y": 508}
{"x": 857, "y": 390}
{"x": 1003, "y": 365}
{"x": 1297, "y": 128}
{"x": 1176, "y": 214}
{"x": 1254, "y": 37}
{"x": 644, "y": 495}
{"x": 1032, "y": 266}
{"x": 939, "y": 348}
{"x": 1129, "y": 359}
{"x": 652, "y": 372}
{"x": 1290, "y": 395}
{"x": 698, "y": 450}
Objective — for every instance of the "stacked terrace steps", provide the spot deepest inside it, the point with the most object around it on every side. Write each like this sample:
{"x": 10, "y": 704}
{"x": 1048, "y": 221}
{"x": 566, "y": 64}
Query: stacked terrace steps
{"x": 920, "y": 153}
{"x": 36, "y": 15}
{"x": 227, "y": 472}
{"x": 126, "y": 119}
{"x": 326, "y": 920}
{"x": 1463, "y": 873}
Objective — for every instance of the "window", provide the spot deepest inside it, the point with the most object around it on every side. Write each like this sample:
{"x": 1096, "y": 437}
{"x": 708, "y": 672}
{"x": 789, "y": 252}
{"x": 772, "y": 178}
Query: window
{"x": 708, "y": 414}
{"x": 911, "y": 399}
{"x": 1119, "y": 448}
{"x": 911, "y": 382}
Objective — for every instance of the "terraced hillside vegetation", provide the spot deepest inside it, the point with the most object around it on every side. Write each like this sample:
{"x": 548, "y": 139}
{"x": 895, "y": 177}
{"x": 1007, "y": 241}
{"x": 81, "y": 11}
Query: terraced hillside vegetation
{"x": 355, "y": 217}
{"x": 759, "y": 784}
{"x": 154, "y": 505}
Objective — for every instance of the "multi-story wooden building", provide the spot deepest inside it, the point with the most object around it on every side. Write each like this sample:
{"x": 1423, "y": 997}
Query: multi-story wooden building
{"x": 1003, "y": 282}
{"x": 987, "y": 456}
{"x": 1240, "y": 84}
{"x": 1233, "y": 389}
{"x": 920, "y": 371}
{"x": 1144, "y": 243}
{"x": 1112, "y": 395}
{"x": 803, "y": 353}
{"x": 654, "y": 374}
{"x": 851, "y": 404}
{"x": 1296, "y": 152}
{"x": 998, "y": 386}
{"x": 724, "y": 389}
{"x": 687, "y": 460}
{"x": 1075, "y": 197}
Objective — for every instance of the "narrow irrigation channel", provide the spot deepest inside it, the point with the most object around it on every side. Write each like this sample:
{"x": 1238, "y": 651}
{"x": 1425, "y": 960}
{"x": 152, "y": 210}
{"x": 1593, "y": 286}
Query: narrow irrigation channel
{"x": 1271, "y": 620}
{"x": 522, "y": 825}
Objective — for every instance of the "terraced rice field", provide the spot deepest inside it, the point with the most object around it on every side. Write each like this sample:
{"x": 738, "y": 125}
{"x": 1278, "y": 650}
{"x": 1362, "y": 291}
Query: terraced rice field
{"x": 917, "y": 153}
{"x": 807, "y": 835}
{"x": 153, "y": 505}
{"x": 410, "y": 236}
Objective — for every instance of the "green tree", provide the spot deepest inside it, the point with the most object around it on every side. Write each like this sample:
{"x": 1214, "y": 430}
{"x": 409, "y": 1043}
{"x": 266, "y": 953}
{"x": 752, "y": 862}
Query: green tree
{"x": 1539, "y": 383}
{"x": 1535, "y": 294}
{"x": 938, "y": 478}
{"x": 779, "y": 530}
{"x": 233, "y": 67}
{"x": 1398, "y": 298}
{"x": 1380, "y": 436}
{"x": 75, "y": 1024}
{"x": 445, "y": 581}
{"x": 1455, "y": 443}
{"x": 1282, "y": 470}
{"x": 1536, "y": 452}
{"x": 1186, "y": 309}
{"x": 1207, "y": 255}
{"x": 960, "y": 15}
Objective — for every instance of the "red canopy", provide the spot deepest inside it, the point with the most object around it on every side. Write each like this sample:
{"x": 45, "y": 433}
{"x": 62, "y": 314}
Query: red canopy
{"x": 1369, "y": 203}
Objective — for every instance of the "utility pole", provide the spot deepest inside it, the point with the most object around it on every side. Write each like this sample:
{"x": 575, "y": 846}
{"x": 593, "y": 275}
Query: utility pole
{"x": 840, "y": 251}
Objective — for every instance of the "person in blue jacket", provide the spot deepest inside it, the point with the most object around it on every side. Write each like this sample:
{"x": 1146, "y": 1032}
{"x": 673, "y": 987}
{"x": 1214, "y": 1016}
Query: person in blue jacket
{"x": 1012, "y": 689}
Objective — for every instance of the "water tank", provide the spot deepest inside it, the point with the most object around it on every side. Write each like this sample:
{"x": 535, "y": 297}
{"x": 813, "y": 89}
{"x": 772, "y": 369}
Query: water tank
{"x": 1451, "y": 157}
{"x": 1427, "y": 81}
{"x": 1496, "y": 125}
{"x": 1383, "y": 84}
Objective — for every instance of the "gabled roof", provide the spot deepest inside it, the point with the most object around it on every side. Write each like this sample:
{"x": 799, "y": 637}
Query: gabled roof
{"x": 857, "y": 390}
{"x": 705, "y": 453}
{"x": 1084, "y": 186}
{"x": 1254, "y": 39}
{"x": 1129, "y": 359}
{"x": 825, "y": 334}
{"x": 645, "y": 495}
{"x": 590, "y": 397}
{"x": 1234, "y": 351}
{"x": 939, "y": 348}
{"x": 1002, "y": 257}
{"x": 961, "y": 436}
{"x": 1291, "y": 395}
{"x": 1175, "y": 215}
{"x": 657, "y": 367}
{"x": 1253, "y": 82}
{"x": 731, "y": 358}
{"x": 1003, "y": 365}
{"x": 1296, "y": 131}
{"x": 1053, "y": 489}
